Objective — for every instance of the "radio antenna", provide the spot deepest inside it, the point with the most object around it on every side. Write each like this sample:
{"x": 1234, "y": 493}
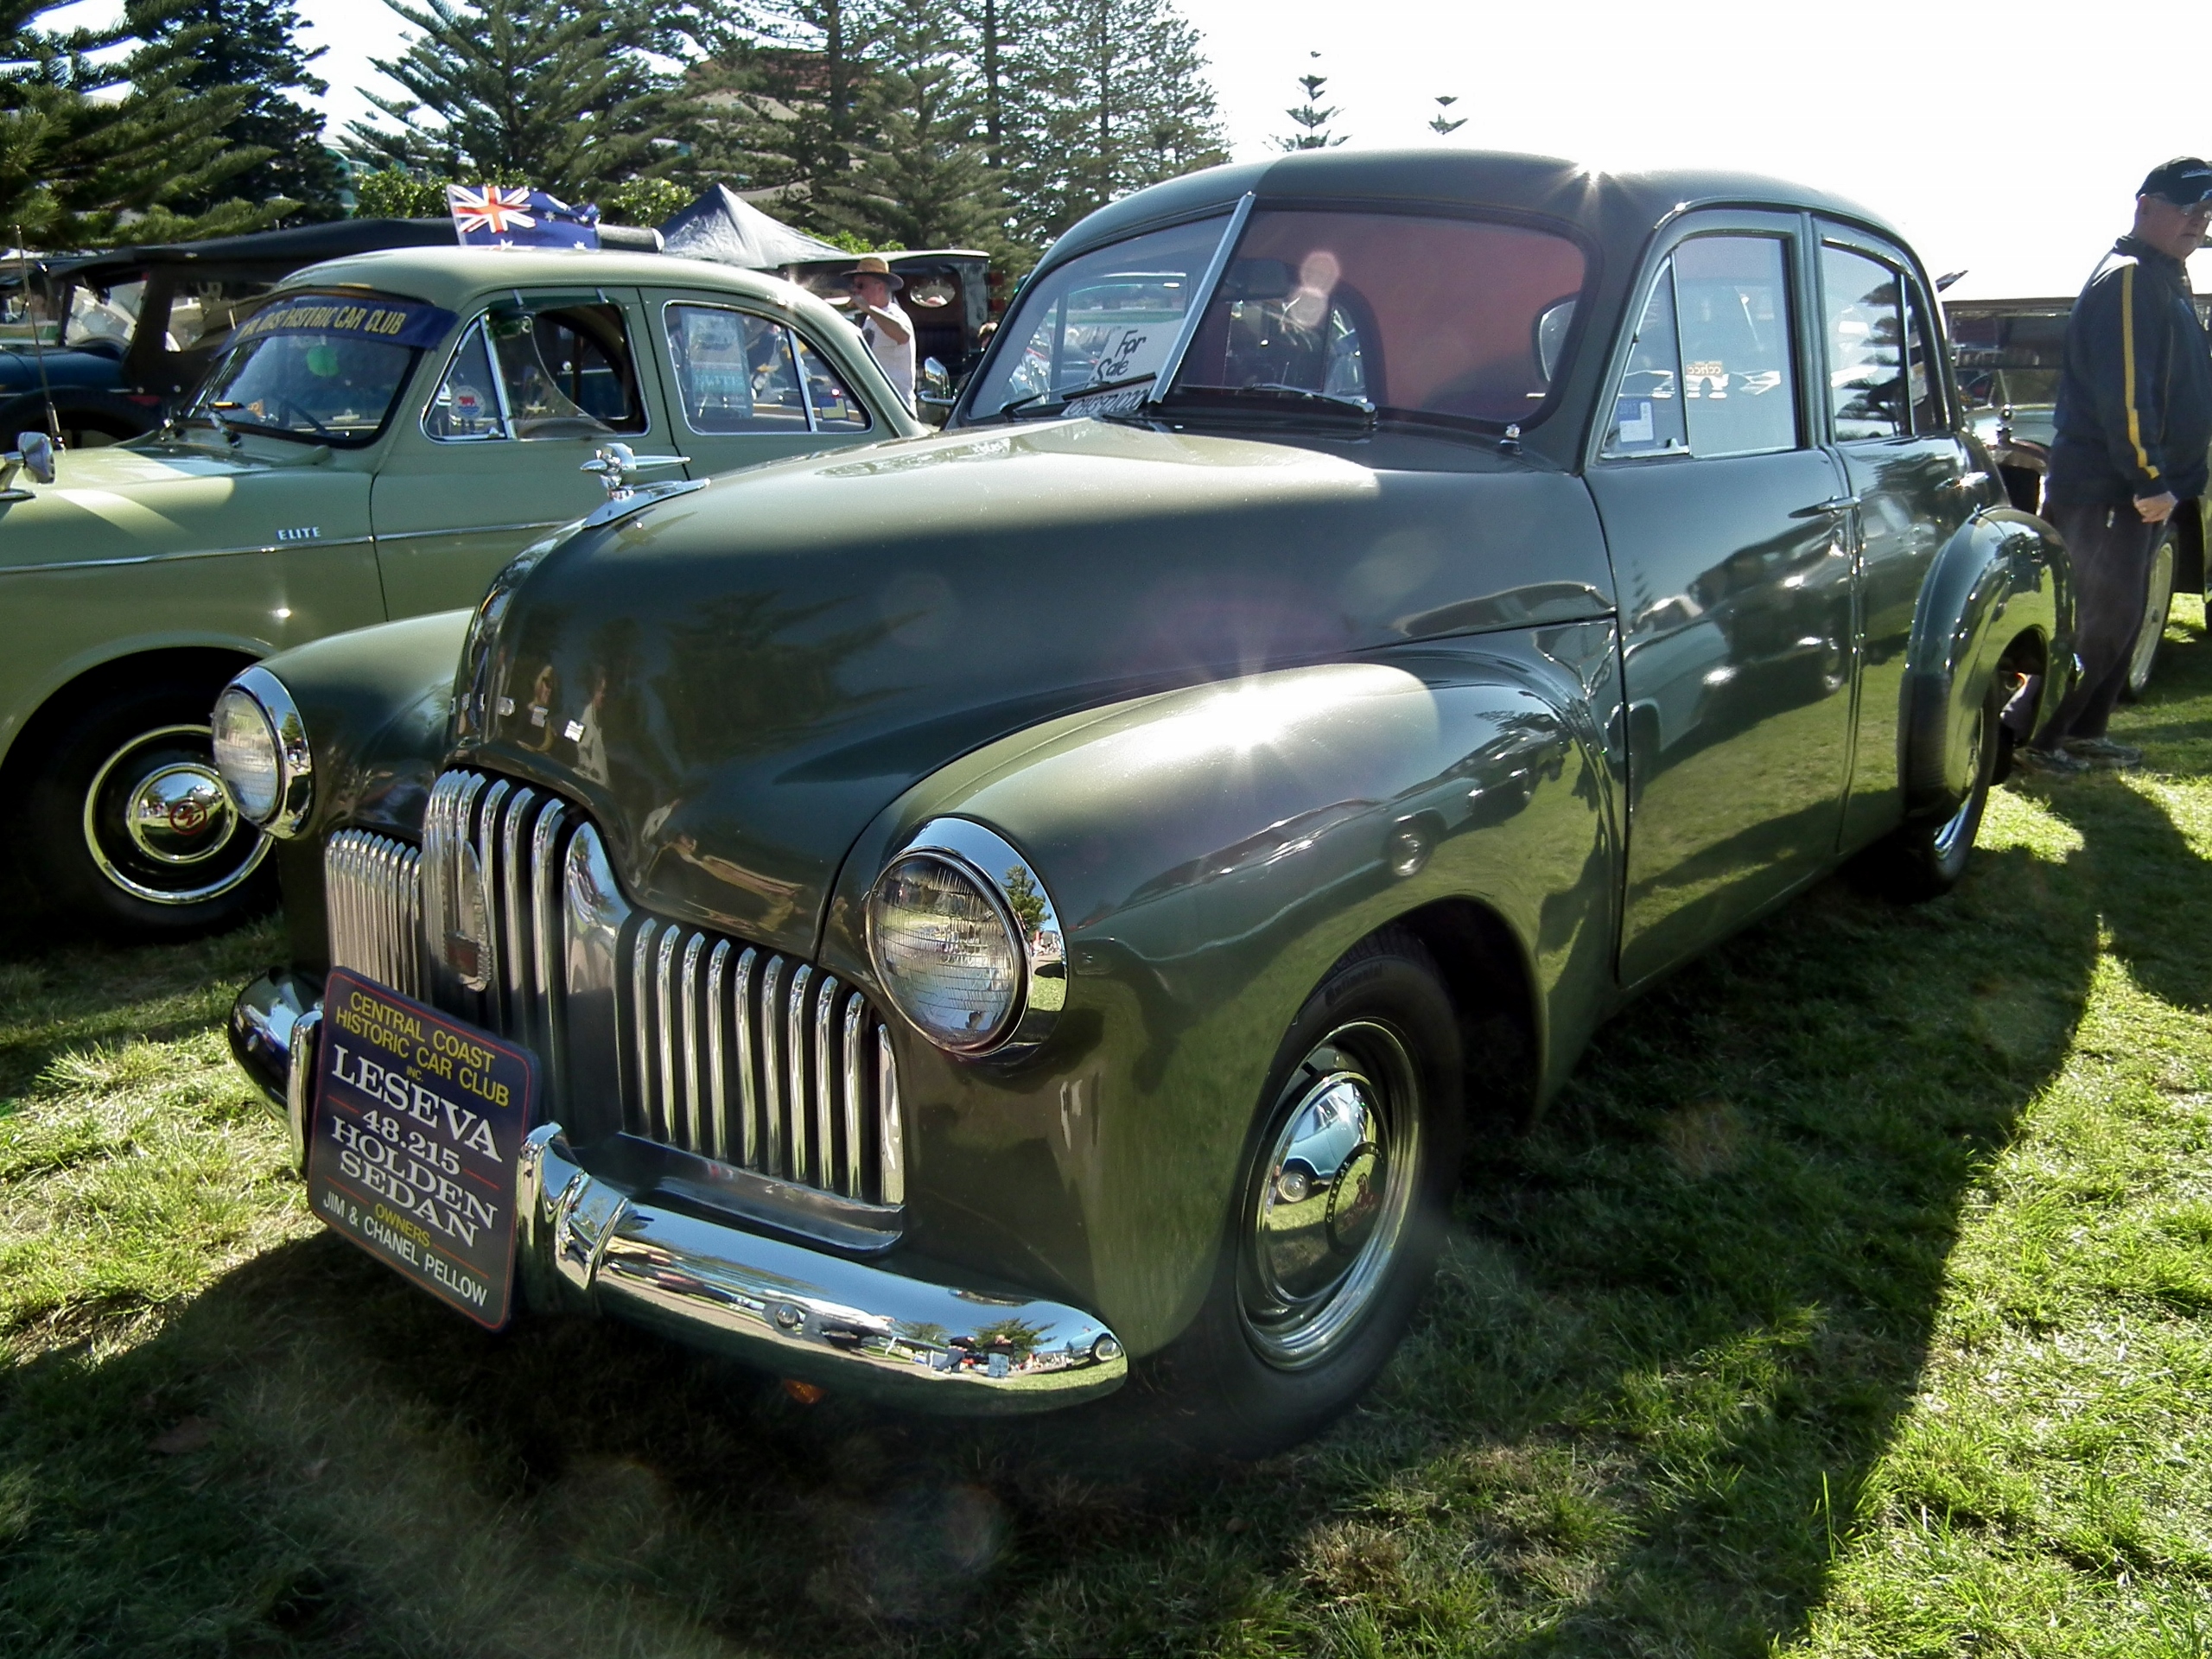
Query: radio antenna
{"x": 38, "y": 343}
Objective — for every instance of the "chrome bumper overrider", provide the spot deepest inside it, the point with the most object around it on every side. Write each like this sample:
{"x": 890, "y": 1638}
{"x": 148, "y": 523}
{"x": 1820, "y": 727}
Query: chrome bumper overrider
{"x": 586, "y": 1245}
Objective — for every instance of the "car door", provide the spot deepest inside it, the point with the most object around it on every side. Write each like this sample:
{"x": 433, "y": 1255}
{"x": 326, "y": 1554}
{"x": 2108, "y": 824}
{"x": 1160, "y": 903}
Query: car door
{"x": 533, "y": 385}
{"x": 1890, "y": 418}
{"x": 1729, "y": 536}
{"x": 747, "y": 386}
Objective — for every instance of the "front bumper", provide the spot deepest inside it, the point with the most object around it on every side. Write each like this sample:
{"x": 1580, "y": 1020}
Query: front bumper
{"x": 587, "y": 1245}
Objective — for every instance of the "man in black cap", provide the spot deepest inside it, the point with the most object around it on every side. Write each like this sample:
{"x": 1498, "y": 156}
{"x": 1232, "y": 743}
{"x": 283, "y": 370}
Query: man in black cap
{"x": 2134, "y": 421}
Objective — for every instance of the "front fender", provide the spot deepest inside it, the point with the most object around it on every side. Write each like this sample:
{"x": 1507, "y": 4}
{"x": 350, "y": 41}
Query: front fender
{"x": 2002, "y": 576}
{"x": 1210, "y": 852}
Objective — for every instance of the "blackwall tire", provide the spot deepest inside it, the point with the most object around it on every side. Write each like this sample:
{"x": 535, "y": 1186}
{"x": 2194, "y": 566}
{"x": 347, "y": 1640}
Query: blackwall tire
{"x": 130, "y": 834}
{"x": 1339, "y": 1210}
{"x": 1924, "y": 858}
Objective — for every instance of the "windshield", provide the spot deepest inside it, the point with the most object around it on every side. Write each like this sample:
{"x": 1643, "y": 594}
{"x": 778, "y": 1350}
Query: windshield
{"x": 1415, "y": 315}
{"x": 321, "y": 368}
{"x": 1106, "y": 317}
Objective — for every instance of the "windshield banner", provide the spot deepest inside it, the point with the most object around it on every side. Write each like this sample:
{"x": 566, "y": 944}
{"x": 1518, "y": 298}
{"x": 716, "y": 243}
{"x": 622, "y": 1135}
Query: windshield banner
{"x": 396, "y": 322}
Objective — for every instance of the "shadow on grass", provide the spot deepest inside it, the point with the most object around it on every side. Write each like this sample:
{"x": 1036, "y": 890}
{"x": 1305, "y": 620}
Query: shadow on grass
{"x": 1677, "y": 1329}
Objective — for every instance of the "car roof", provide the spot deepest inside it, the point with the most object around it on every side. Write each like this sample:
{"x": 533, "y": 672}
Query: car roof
{"x": 451, "y": 276}
{"x": 1612, "y": 207}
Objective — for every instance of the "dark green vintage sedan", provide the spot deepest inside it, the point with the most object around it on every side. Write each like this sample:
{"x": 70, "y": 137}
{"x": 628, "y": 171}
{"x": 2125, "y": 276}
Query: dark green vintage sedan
{"x": 956, "y": 917}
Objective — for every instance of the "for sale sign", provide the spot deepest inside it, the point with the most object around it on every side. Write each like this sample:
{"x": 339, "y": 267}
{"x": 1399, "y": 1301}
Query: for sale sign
{"x": 418, "y": 1122}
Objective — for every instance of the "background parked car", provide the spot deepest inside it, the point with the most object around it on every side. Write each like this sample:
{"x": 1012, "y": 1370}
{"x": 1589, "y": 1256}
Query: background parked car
{"x": 1067, "y": 887}
{"x": 382, "y": 434}
{"x": 2009, "y": 354}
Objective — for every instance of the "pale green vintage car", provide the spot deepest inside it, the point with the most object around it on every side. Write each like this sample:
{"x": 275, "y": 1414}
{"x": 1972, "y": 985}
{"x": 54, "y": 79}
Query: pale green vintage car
{"x": 382, "y": 436}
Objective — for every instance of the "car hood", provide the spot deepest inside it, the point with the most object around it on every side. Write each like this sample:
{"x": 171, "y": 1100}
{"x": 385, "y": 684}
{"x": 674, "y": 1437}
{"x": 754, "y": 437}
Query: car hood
{"x": 139, "y": 500}
{"x": 736, "y": 681}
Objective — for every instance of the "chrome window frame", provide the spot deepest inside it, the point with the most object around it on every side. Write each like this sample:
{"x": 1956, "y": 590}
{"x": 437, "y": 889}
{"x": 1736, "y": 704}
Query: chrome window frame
{"x": 806, "y": 391}
{"x": 477, "y": 320}
{"x": 506, "y": 434}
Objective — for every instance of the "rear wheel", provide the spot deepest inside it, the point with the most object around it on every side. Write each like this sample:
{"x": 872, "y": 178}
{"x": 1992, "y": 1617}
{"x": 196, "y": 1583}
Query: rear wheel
{"x": 2158, "y": 601}
{"x": 1924, "y": 857}
{"x": 1338, "y": 1208}
{"x": 131, "y": 830}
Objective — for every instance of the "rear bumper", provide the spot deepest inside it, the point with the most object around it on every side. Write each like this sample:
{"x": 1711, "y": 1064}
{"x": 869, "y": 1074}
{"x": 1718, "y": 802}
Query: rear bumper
{"x": 587, "y": 1245}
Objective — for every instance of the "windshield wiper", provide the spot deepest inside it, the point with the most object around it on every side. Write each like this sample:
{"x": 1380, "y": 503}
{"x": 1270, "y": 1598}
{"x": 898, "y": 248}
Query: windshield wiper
{"x": 1061, "y": 400}
{"x": 1275, "y": 393}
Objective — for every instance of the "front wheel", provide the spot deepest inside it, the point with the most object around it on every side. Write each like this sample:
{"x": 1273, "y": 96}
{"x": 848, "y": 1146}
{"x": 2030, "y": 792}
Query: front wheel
{"x": 2158, "y": 601}
{"x": 1338, "y": 1211}
{"x": 131, "y": 830}
{"x": 1924, "y": 857}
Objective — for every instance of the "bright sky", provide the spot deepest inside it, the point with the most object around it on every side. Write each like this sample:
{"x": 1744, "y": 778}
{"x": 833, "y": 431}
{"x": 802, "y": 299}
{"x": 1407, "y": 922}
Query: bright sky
{"x": 1940, "y": 116}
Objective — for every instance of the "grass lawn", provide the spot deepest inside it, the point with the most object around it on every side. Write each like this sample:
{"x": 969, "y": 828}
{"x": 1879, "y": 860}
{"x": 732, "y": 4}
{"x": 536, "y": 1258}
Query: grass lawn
{"x": 1856, "y": 1299}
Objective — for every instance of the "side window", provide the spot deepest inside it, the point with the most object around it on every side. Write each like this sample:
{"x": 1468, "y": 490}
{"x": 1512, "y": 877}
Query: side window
{"x": 836, "y": 409}
{"x": 1865, "y": 337}
{"x": 1924, "y": 374}
{"x": 465, "y": 409}
{"x": 566, "y": 369}
{"x": 1710, "y": 369}
{"x": 1731, "y": 311}
{"x": 735, "y": 373}
{"x": 1647, "y": 418}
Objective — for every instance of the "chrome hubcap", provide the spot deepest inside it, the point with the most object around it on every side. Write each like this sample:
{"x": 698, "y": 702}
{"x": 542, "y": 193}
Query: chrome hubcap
{"x": 1946, "y": 838}
{"x": 160, "y": 825}
{"x": 1330, "y": 1199}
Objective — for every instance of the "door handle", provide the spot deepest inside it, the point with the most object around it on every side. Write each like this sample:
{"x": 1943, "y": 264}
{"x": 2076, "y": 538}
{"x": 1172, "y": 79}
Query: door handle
{"x": 1833, "y": 503}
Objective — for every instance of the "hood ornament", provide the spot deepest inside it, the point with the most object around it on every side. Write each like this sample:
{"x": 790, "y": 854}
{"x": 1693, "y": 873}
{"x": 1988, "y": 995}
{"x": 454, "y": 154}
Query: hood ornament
{"x": 616, "y": 464}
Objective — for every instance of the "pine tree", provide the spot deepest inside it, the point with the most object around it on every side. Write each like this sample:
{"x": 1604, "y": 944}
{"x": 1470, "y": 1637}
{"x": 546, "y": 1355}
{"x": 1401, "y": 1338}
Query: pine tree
{"x": 1310, "y": 119}
{"x": 551, "y": 92}
{"x": 919, "y": 175}
{"x": 1112, "y": 96}
{"x": 1441, "y": 123}
{"x": 72, "y": 165}
{"x": 252, "y": 44}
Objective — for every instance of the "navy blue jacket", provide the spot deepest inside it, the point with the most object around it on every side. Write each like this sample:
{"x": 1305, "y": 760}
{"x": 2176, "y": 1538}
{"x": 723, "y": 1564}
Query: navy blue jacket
{"x": 2134, "y": 413}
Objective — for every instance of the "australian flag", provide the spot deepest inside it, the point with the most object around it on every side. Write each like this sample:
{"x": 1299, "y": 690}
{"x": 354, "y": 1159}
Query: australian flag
{"x": 516, "y": 216}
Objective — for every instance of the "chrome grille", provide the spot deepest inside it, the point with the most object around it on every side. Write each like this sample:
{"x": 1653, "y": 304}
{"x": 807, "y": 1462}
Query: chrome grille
{"x": 372, "y": 886}
{"x": 509, "y": 916}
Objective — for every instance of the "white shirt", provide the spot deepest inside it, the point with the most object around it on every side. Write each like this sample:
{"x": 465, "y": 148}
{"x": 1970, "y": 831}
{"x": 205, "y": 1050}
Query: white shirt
{"x": 894, "y": 357}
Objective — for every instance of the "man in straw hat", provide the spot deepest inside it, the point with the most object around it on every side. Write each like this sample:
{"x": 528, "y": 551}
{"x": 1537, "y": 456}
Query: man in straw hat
{"x": 884, "y": 324}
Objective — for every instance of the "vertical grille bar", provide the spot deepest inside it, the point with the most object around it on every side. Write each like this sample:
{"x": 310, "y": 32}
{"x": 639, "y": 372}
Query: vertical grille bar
{"x": 694, "y": 1130}
{"x": 670, "y": 1108}
{"x": 638, "y": 1112}
{"x": 891, "y": 1140}
{"x": 826, "y": 1084}
{"x": 521, "y": 954}
{"x": 545, "y": 926}
{"x": 487, "y": 854}
{"x": 718, "y": 1095}
{"x": 772, "y": 1089}
{"x": 748, "y": 1097}
{"x": 848, "y": 1173}
{"x": 794, "y": 1024}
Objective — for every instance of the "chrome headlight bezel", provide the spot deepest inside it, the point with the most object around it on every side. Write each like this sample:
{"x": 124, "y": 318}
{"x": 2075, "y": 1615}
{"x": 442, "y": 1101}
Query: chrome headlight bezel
{"x": 1017, "y": 892}
{"x": 288, "y": 734}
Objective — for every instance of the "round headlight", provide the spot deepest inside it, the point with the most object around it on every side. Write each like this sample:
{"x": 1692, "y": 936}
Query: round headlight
{"x": 246, "y": 755}
{"x": 261, "y": 749}
{"x": 946, "y": 952}
{"x": 965, "y": 940}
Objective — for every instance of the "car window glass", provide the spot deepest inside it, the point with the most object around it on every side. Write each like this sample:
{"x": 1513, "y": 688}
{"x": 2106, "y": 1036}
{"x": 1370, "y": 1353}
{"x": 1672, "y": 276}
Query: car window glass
{"x": 465, "y": 409}
{"x": 202, "y": 313}
{"x": 1647, "y": 416}
{"x": 1108, "y": 314}
{"x": 836, "y": 409}
{"x": 1420, "y": 315}
{"x": 1923, "y": 375}
{"x": 566, "y": 369}
{"x": 1866, "y": 385}
{"x": 1731, "y": 313}
{"x": 106, "y": 314}
{"x": 733, "y": 372}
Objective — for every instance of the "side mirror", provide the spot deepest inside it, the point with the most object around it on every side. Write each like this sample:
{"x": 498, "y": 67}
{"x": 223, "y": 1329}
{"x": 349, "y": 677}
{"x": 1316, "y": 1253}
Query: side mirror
{"x": 36, "y": 451}
{"x": 936, "y": 381}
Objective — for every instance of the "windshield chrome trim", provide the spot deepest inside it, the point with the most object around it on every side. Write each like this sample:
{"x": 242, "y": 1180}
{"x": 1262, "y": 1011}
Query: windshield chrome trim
{"x": 1216, "y": 269}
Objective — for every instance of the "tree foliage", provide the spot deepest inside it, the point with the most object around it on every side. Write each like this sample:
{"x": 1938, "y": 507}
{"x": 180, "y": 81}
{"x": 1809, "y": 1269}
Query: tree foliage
{"x": 252, "y": 46}
{"x": 147, "y": 158}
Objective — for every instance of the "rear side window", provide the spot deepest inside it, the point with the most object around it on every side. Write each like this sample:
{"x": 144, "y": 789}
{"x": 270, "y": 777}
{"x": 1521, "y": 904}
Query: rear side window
{"x": 1865, "y": 343}
{"x": 836, "y": 409}
{"x": 1711, "y": 368}
{"x": 735, "y": 371}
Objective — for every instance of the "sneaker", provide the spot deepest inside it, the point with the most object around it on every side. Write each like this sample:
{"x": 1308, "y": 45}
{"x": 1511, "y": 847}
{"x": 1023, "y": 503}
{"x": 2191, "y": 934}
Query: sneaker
{"x": 2103, "y": 752}
{"x": 2049, "y": 763}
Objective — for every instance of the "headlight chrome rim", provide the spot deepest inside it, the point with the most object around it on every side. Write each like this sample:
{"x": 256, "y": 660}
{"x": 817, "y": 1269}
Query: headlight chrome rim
{"x": 295, "y": 792}
{"x": 1010, "y": 885}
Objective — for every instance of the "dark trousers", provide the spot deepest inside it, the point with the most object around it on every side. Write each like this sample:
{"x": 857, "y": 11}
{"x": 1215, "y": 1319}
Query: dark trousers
{"x": 2110, "y": 548}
